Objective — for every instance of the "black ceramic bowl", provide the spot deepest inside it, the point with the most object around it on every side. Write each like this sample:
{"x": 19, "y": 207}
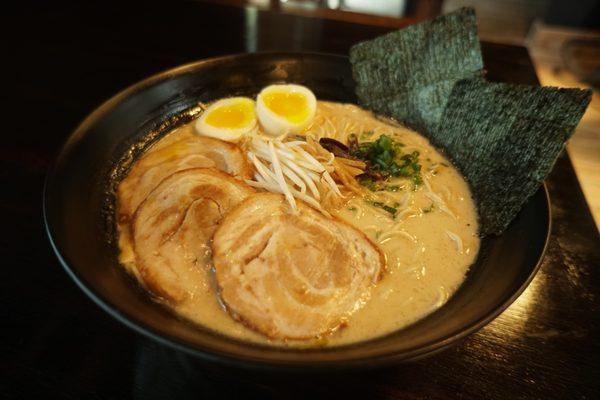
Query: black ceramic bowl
{"x": 77, "y": 202}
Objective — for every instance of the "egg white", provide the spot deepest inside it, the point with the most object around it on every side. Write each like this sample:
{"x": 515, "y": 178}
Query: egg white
{"x": 224, "y": 133}
{"x": 277, "y": 125}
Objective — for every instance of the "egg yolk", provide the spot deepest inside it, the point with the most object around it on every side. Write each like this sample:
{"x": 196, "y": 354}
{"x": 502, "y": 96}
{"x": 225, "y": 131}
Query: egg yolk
{"x": 236, "y": 115}
{"x": 291, "y": 106}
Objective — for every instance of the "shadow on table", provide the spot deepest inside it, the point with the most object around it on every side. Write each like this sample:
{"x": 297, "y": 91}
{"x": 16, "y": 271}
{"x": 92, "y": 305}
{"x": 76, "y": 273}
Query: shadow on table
{"x": 161, "y": 372}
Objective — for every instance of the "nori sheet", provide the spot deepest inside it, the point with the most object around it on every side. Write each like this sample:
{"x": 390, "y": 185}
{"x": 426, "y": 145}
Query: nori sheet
{"x": 505, "y": 139}
{"x": 408, "y": 74}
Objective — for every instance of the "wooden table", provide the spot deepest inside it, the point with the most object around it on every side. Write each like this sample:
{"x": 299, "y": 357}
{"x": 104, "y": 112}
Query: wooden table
{"x": 55, "y": 341}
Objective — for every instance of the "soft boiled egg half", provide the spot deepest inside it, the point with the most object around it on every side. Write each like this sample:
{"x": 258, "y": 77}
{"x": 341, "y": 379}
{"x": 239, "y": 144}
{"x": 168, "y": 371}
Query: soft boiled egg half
{"x": 227, "y": 119}
{"x": 285, "y": 109}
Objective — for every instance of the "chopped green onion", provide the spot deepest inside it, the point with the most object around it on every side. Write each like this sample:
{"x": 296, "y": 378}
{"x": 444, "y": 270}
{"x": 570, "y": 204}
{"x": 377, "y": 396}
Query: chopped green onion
{"x": 383, "y": 206}
{"x": 384, "y": 159}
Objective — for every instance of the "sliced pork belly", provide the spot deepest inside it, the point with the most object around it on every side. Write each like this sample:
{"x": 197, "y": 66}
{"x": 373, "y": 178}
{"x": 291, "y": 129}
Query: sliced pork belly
{"x": 293, "y": 276}
{"x": 164, "y": 159}
{"x": 173, "y": 225}
{"x": 190, "y": 152}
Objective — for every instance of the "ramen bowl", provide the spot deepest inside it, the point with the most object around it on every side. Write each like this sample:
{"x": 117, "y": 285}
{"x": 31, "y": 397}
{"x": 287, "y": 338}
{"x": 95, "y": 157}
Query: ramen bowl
{"x": 79, "y": 209}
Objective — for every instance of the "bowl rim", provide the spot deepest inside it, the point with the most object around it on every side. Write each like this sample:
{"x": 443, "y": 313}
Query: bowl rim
{"x": 239, "y": 360}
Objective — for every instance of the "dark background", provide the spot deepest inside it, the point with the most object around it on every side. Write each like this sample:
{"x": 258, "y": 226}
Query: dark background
{"x": 63, "y": 60}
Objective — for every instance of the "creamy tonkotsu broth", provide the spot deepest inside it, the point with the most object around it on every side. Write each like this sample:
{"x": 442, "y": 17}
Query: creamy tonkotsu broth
{"x": 428, "y": 245}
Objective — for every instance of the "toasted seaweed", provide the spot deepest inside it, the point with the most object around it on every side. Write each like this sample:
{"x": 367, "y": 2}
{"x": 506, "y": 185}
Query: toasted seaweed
{"x": 409, "y": 74}
{"x": 505, "y": 139}
{"x": 419, "y": 109}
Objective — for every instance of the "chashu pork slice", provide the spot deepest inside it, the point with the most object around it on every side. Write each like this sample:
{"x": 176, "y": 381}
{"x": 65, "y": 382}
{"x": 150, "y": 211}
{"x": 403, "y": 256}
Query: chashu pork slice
{"x": 190, "y": 152}
{"x": 163, "y": 160}
{"x": 173, "y": 225}
{"x": 292, "y": 276}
